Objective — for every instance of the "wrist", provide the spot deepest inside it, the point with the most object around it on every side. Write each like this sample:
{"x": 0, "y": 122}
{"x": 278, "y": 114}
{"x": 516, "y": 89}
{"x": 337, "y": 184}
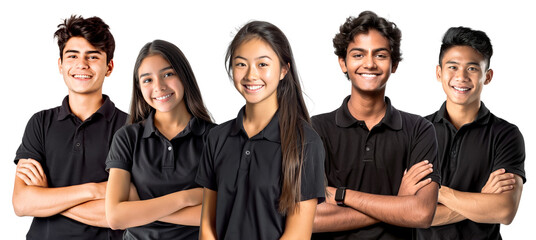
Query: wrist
{"x": 340, "y": 196}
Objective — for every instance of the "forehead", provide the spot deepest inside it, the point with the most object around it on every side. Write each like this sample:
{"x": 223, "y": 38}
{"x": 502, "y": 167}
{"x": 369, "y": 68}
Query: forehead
{"x": 372, "y": 39}
{"x": 153, "y": 62}
{"x": 79, "y": 44}
{"x": 463, "y": 54}
{"x": 254, "y": 48}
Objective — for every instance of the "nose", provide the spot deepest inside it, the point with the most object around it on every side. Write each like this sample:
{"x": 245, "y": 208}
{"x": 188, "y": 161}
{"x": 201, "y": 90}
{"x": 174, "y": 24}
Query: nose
{"x": 82, "y": 63}
{"x": 159, "y": 84}
{"x": 252, "y": 73}
{"x": 461, "y": 74}
{"x": 369, "y": 62}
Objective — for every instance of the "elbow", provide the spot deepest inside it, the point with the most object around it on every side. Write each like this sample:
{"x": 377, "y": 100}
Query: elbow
{"x": 424, "y": 217}
{"x": 114, "y": 222}
{"x": 508, "y": 217}
{"x": 20, "y": 208}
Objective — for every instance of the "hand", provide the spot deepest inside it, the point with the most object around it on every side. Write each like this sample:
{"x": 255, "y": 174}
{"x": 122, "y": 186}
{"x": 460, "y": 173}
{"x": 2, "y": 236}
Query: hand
{"x": 411, "y": 181}
{"x": 31, "y": 172}
{"x": 499, "y": 182}
{"x": 330, "y": 195}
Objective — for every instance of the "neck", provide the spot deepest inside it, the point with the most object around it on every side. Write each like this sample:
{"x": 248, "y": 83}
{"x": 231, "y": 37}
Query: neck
{"x": 258, "y": 115}
{"x": 460, "y": 115}
{"x": 173, "y": 122}
{"x": 367, "y": 107}
{"x": 84, "y": 105}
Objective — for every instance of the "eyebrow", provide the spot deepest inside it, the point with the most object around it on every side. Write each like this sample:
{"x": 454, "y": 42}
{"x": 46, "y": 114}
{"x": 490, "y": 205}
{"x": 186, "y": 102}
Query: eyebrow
{"x": 469, "y": 63}
{"x": 373, "y": 50}
{"x": 161, "y": 70}
{"x": 87, "y": 52}
{"x": 243, "y": 58}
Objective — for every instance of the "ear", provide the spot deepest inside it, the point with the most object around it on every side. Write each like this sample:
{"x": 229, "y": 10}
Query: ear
{"x": 438, "y": 73}
{"x": 59, "y": 65}
{"x": 284, "y": 71}
{"x": 394, "y": 67}
{"x": 110, "y": 68}
{"x": 342, "y": 63}
{"x": 489, "y": 76}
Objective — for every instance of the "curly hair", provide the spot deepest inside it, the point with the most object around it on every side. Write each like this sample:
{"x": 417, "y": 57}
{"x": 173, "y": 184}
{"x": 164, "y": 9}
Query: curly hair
{"x": 362, "y": 24}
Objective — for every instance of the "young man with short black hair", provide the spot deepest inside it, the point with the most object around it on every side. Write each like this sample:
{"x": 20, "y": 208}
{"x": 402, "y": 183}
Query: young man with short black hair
{"x": 482, "y": 156}
{"x": 60, "y": 177}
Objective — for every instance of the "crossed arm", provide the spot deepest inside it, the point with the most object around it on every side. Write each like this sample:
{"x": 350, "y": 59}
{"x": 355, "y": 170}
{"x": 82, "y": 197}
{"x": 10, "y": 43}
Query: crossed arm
{"x": 33, "y": 197}
{"x": 501, "y": 193}
{"x": 122, "y": 211}
{"x": 413, "y": 206}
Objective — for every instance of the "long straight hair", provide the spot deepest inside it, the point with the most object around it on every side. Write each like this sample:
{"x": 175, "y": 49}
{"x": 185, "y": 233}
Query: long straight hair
{"x": 292, "y": 110}
{"x": 140, "y": 109}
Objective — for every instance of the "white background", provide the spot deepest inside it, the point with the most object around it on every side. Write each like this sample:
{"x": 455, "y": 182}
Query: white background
{"x": 30, "y": 80}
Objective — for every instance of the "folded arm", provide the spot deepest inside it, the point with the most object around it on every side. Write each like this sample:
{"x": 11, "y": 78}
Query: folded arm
{"x": 122, "y": 213}
{"x": 33, "y": 197}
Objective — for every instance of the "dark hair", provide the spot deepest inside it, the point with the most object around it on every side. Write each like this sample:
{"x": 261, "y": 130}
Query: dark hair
{"x": 140, "y": 109}
{"x": 463, "y": 36}
{"x": 93, "y": 29}
{"x": 366, "y": 21}
{"x": 292, "y": 110}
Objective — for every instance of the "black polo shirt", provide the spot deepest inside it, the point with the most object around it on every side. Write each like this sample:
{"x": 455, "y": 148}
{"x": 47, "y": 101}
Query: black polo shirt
{"x": 71, "y": 152}
{"x": 246, "y": 173}
{"x": 158, "y": 167}
{"x": 374, "y": 161}
{"x": 467, "y": 158}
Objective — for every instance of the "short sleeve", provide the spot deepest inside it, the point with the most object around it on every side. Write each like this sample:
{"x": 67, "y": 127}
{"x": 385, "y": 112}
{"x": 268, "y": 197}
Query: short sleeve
{"x": 313, "y": 181}
{"x": 510, "y": 152}
{"x": 120, "y": 154}
{"x": 33, "y": 142}
{"x": 205, "y": 173}
{"x": 424, "y": 147}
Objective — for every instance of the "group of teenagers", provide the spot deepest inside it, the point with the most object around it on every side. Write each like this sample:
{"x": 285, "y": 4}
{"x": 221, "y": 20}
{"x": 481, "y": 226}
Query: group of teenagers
{"x": 363, "y": 171}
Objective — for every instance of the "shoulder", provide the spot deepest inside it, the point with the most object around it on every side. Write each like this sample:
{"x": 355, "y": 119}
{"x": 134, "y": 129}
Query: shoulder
{"x": 221, "y": 130}
{"x": 324, "y": 121}
{"x": 414, "y": 121}
{"x": 503, "y": 128}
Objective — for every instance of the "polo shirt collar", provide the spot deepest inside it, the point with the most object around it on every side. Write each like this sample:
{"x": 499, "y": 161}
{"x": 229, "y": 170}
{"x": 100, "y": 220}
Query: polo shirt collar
{"x": 392, "y": 118}
{"x": 107, "y": 109}
{"x": 195, "y": 126}
{"x": 270, "y": 132}
{"x": 482, "y": 116}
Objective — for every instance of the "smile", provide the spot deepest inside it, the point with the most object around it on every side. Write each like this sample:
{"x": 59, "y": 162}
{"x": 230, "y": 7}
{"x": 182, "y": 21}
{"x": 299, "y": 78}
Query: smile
{"x": 164, "y": 97}
{"x": 461, "y": 89}
{"x": 82, "y": 76}
{"x": 253, "y": 87}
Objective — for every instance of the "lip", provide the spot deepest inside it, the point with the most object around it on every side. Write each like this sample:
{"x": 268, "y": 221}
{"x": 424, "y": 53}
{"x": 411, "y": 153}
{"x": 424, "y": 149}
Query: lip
{"x": 253, "y": 88}
{"x": 369, "y": 75}
{"x": 163, "y": 98}
{"x": 82, "y": 77}
{"x": 461, "y": 89}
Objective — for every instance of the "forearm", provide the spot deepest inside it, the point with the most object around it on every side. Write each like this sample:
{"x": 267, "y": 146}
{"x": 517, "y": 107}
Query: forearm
{"x": 44, "y": 202}
{"x": 125, "y": 214}
{"x": 188, "y": 216}
{"x": 332, "y": 218}
{"x": 299, "y": 224}
{"x": 90, "y": 213}
{"x": 415, "y": 211}
{"x": 444, "y": 216}
{"x": 483, "y": 207}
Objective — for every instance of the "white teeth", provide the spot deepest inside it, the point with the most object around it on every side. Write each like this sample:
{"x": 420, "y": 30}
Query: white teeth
{"x": 253, "y": 87}
{"x": 461, "y": 89}
{"x": 81, "y": 76}
{"x": 163, "y": 97}
{"x": 368, "y": 75}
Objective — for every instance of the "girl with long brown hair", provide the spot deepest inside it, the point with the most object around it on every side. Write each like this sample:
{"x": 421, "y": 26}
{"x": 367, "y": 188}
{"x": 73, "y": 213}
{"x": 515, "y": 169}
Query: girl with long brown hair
{"x": 263, "y": 171}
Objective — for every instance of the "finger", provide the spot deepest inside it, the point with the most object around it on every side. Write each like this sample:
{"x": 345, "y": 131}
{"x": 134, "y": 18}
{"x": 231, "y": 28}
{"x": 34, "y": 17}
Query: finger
{"x": 30, "y": 166}
{"x": 38, "y": 166}
{"x": 418, "y": 165}
{"x": 424, "y": 173}
{"x": 28, "y": 173}
{"x": 417, "y": 173}
{"x": 423, "y": 183}
{"x": 24, "y": 178}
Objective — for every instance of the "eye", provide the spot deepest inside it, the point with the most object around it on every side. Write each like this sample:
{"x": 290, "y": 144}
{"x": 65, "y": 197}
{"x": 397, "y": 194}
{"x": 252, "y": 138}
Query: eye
{"x": 452, "y": 67}
{"x": 169, "y": 74}
{"x": 357, "y": 55}
{"x": 240, "y": 64}
{"x": 263, "y": 65}
{"x": 472, "y": 69}
{"x": 71, "y": 56}
{"x": 146, "y": 80}
{"x": 93, "y": 57}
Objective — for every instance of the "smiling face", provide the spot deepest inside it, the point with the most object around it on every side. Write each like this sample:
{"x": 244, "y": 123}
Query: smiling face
{"x": 257, "y": 71}
{"x": 83, "y": 67}
{"x": 463, "y": 74}
{"x": 368, "y": 62}
{"x": 160, "y": 85}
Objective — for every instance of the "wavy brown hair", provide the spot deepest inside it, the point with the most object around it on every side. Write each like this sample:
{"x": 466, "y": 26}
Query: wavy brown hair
{"x": 292, "y": 110}
{"x": 140, "y": 109}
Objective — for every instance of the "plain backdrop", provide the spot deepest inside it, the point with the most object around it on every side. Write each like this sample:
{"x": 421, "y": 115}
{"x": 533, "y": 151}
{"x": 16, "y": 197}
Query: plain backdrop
{"x": 30, "y": 80}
